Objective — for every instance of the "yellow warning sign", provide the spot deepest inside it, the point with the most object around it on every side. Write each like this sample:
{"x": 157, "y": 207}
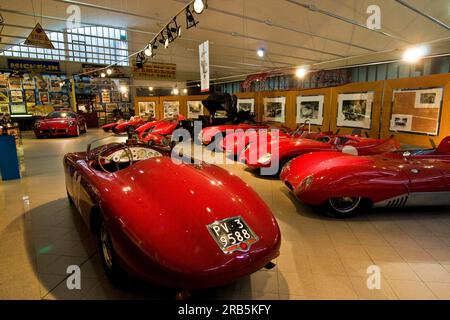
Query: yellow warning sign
{"x": 38, "y": 38}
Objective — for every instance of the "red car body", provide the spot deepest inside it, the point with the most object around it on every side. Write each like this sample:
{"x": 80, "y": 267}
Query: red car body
{"x": 159, "y": 132}
{"x": 208, "y": 134}
{"x": 60, "y": 123}
{"x": 128, "y": 126}
{"x": 110, "y": 126}
{"x": 287, "y": 148}
{"x": 159, "y": 229}
{"x": 395, "y": 179}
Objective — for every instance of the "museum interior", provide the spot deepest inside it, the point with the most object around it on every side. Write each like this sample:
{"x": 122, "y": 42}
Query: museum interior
{"x": 225, "y": 150}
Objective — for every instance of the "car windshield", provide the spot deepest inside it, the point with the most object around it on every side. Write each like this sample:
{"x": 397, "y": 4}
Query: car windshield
{"x": 61, "y": 114}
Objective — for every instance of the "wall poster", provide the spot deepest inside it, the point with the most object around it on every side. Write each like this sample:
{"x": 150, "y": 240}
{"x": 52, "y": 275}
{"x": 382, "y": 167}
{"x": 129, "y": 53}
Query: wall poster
{"x": 147, "y": 109}
{"x": 195, "y": 109}
{"x": 171, "y": 109}
{"x": 310, "y": 108}
{"x": 274, "y": 109}
{"x": 416, "y": 111}
{"x": 246, "y": 105}
{"x": 355, "y": 110}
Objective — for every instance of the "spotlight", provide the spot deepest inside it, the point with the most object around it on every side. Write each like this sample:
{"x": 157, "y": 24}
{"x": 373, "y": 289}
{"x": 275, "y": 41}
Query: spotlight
{"x": 190, "y": 20}
{"x": 175, "y": 91}
{"x": 166, "y": 43}
{"x": 185, "y": 91}
{"x": 169, "y": 34}
{"x": 102, "y": 74}
{"x": 150, "y": 88}
{"x": 199, "y": 6}
{"x": 176, "y": 29}
{"x": 109, "y": 71}
{"x": 414, "y": 54}
{"x": 140, "y": 60}
{"x": 300, "y": 72}
{"x": 149, "y": 50}
{"x": 261, "y": 52}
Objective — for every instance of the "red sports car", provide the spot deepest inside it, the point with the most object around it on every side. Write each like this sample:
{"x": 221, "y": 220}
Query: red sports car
{"x": 110, "y": 126}
{"x": 164, "y": 231}
{"x": 285, "y": 149}
{"x": 129, "y": 126}
{"x": 346, "y": 183}
{"x": 60, "y": 123}
{"x": 210, "y": 134}
{"x": 160, "y": 132}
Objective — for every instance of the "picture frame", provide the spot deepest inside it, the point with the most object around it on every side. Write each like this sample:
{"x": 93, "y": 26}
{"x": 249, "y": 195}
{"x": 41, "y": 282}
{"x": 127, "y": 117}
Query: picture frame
{"x": 310, "y": 108}
{"x": 16, "y": 96}
{"x": 147, "y": 109}
{"x": 274, "y": 109}
{"x": 355, "y": 110}
{"x": 247, "y": 105}
{"x": 18, "y": 109}
{"x": 194, "y": 109}
{"x": 171, "y": 109}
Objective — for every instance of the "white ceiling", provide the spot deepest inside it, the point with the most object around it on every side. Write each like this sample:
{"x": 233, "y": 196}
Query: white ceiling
{"x": 292, "y": 34}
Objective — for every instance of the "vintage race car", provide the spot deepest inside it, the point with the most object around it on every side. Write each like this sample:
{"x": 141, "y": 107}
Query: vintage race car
{"x": 285, "y": 149}
{"x": 125, "y": 193}
{"x": 160, "y": 132}
{"x": 215, "y": 134}
{"x": 110, "y": 126}
{"x": 129, "y": 126}
{"x": 344, "y": 183}
{"x": 60, "y": 123}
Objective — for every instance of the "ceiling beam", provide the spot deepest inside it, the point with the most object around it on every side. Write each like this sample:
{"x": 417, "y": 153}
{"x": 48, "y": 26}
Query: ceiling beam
{"x": 423, "y": 14}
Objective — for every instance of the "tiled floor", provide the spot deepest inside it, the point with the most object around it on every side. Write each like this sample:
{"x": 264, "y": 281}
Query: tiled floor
{"x": 321, "y": 258}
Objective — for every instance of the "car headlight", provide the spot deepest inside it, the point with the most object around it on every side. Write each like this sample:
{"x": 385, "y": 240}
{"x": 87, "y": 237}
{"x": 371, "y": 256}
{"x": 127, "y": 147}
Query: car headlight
{"x": 265, "y": 159}
{"x": 306, "y": 183}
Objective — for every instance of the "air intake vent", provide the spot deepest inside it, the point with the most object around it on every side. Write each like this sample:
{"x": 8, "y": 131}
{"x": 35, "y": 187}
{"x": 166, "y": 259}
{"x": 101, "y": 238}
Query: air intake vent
{"x": 397, "y": 202}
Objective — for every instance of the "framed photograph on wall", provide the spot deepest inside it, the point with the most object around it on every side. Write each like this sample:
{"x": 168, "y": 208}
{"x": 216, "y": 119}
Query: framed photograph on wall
{"x": 310, "y": 108}
{"x": 18, "y": 109}
{"x": 171, "y": 109}
{"x": 246, "y": 105}
{"x": 194, "y": 109}
{"x": 274, "y": 109}
{"x": 147, "y": 109}
{"x": 416, "y": 110}
{"x": 44, "y": 98}
{"x": 355, "y": 110}
{"x": 16, "y": 96}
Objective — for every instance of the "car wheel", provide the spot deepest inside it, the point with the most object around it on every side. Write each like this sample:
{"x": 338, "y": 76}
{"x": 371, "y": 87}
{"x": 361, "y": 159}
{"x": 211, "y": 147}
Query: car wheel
{"x": 106, "y": 252}
{"x": 344, "y": 207}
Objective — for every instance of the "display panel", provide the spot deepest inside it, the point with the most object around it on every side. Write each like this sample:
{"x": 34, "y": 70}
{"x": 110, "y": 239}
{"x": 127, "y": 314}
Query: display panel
{"x": 171, "y": 108}
{"x": 18, "y": 109}
{"x": 195, "y": 109}
{"x": 274, "y": 109}
{"x": 147, "y": 109}
{"x": 310, "y": 108}
{"x": 246, "y": 105}
{"x": 355, "y": 110}
{"x": 416, "y": 111}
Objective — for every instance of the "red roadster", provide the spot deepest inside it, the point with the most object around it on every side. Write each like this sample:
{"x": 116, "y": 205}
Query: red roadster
{"x": 346, "y": 183}
{"x": 285, "y": 149}
{"x": 164, "y": 231}
{"x": 129, "y": 126}
{"x": 160, "y": 132}
{"x": 60, "y": 123}
{"x": 210, "y": 134}
{"x": 110, "y": 126}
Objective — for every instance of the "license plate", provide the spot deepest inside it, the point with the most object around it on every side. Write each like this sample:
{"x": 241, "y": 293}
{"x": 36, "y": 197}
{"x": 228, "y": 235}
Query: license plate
{"x": 232, "y": 234}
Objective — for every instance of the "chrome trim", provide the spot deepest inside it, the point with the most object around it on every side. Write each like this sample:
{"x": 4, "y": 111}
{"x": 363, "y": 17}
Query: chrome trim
{"x": 416, "y": 199}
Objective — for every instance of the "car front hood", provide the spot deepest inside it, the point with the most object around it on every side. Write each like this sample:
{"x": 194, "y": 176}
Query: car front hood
{"x": 169, "y": 206}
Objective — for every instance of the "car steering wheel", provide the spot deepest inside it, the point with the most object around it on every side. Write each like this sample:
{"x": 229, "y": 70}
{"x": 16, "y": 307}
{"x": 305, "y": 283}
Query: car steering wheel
{"x": 101, "y": 158}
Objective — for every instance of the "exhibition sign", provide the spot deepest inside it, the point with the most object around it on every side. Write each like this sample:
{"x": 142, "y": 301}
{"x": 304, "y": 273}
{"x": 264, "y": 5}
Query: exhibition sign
{"x": 33, "y": 65}
{"x": 154, "y": 71}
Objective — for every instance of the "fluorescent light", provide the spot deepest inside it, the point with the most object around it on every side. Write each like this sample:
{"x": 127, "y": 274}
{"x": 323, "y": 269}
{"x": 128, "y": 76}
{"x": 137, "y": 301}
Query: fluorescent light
{"x": 414, "y": 54}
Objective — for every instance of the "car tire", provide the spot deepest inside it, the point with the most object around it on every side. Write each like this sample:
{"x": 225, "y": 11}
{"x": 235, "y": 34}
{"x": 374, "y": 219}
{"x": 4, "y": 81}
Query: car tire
{"x": 344, "y": 207}
{"x": 106, "y": 252}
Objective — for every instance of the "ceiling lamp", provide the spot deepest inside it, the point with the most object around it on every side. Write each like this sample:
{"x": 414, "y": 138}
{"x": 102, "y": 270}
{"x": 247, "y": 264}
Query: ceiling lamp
{"x": 169, "y": 34}
{"x": 301, "y": 72}
{"x": 176, "y": 29}
{"x": 140, "y": 60}
{"x": 261, "y": 52}
{"x": 185, "y": 91}
{"x": 199, "y": 6}
{"x": 149, "y": 50}
{"x": 109, "y": 71}
{"x": 102, "y": 74}
{"x": 175, "y": 91}
{"x": 414, "y": 54}
{"x": 190, "y": 20}
{"x": 150, "y": 88}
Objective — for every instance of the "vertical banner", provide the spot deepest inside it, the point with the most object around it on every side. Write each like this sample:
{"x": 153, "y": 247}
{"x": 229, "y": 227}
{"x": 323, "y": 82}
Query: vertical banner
{"x": 204, "y": 65}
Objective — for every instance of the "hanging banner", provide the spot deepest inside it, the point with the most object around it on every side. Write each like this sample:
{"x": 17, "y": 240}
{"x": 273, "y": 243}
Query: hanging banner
{"x": 154, "y": 70}
{"x": 33, "y": 65}
{"x": 203, "y": 50}
{"x": 38, "y": 38}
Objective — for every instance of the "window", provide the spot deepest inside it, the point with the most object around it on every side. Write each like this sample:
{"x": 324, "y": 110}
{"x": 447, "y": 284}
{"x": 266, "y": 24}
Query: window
{"x": 87, "y": 44}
